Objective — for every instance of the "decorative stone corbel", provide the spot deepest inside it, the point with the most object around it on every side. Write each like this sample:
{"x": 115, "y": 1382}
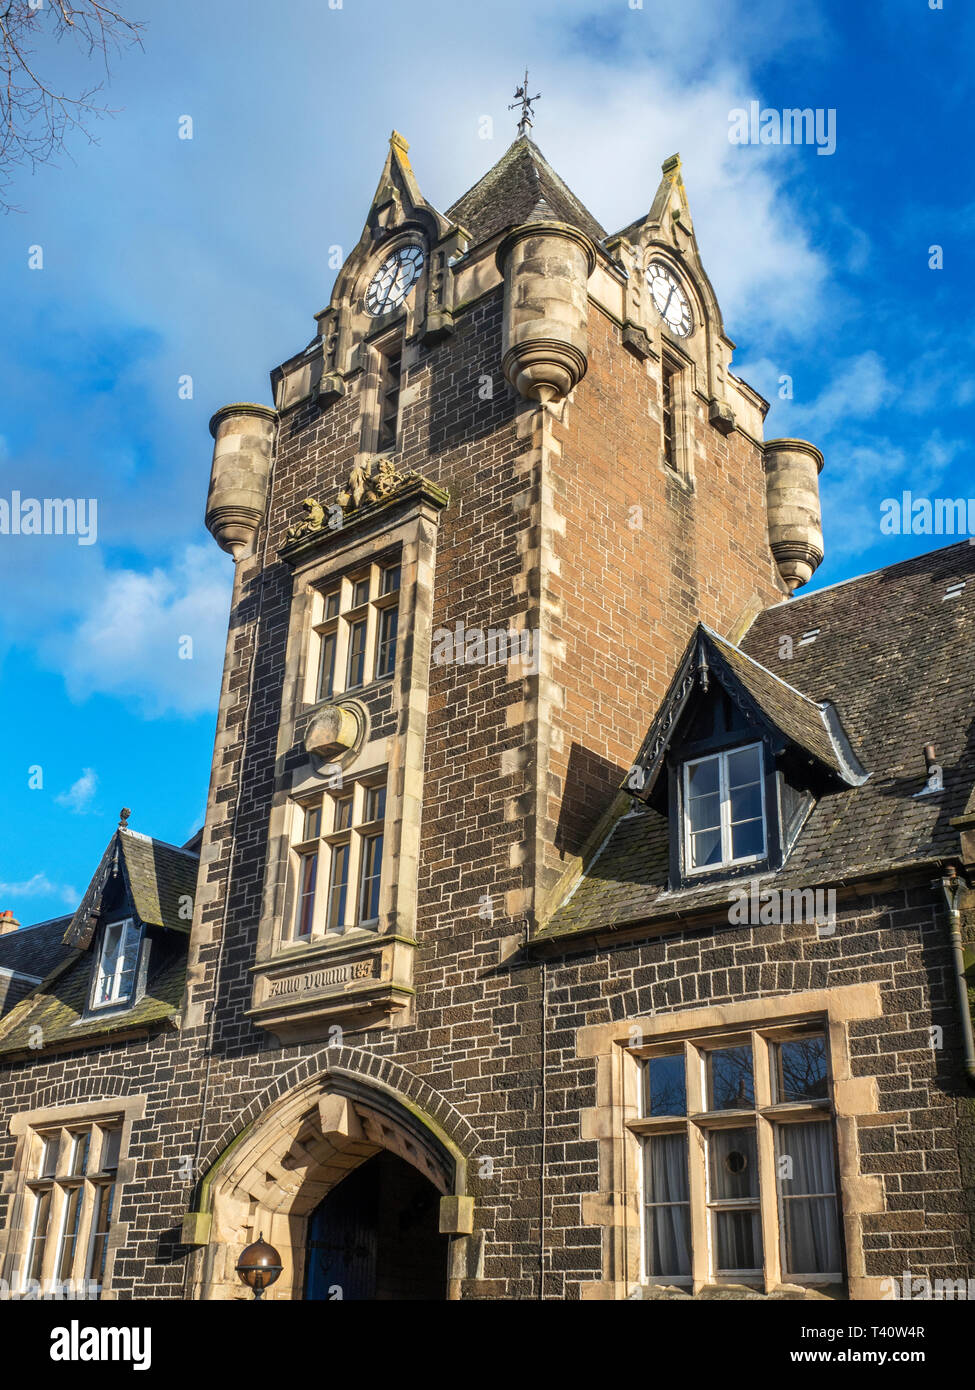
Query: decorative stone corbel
{"x": 721, "y": 415}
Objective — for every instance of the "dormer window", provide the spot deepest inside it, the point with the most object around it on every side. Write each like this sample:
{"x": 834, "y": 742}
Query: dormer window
{"x": 724, "y": 809}
{"x": 118, "y": 964}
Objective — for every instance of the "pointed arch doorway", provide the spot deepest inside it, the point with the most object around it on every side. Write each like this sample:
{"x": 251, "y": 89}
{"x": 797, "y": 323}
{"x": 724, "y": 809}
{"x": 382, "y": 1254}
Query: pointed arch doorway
{"x": 354, "y": 1184}
{"x": 376, "y": 1236}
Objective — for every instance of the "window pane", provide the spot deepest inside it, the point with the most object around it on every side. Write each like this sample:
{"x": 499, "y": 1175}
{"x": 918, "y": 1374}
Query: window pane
{"x": 109, "y": 963}
{"x": 100, "y": 1226}
{"x": 49, "y": 1155}
{"x": 744, "y": 766}
{"x": 35, "y": 1254}
{"x": 746, "y": 802}
{"x": 666, "y": 1088}
{"x": 313, "y": 823}
{"x": 705, "y": 849}
{"x": 386, "y": 653}
{"x": 111, "y": 1146}
{"x": 702, "y": 777}
{"x": 357, "y": 654}
{"x": 747, "y": 839}
{"x": 738, "y": 1237}
{"x": 730, "y": 1084}
{"x": 704, "y": 811}
{"x": 809, "y": 1150}
{"x": 801, "y": 1069}
{"x": 307, "y": 878}
{"x": 326, "y": 667}
{"x": 390, "y": 580}
{"x": 375, "y": 803}
{"x": 734, "y": 1164}
{"x": 338, "y": 887}
{"x": 360, "y": 592}
{"x": 332, "y": 604}
{"x": 668, "y": 1209}
{"x": 343, "y": 813}
{"x": 372, "y": 860}
{"x": 69, "y": 1233}
{"x": 130, "y": 961}
{"x": 810, "y": 1222}
{"x": 80, "y": 1144}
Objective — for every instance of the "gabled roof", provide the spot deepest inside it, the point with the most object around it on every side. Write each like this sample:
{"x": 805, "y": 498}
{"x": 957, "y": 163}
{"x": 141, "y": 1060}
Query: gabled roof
{"x": 896, "y": 655}
{"x": 161, "y": 881}
{"x": 161, "y": 878}
{"x": 521, "y": 187}
{"x": 813, "y": 728}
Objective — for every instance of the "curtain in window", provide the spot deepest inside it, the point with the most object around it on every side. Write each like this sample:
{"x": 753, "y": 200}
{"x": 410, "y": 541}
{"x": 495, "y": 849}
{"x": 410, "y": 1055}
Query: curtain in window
{"x": 812, "y": 1242}
{"x": 668, "y": 1210}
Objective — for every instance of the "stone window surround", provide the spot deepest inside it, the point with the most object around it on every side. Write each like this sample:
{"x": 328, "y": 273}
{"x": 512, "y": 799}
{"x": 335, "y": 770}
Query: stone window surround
{"x": 375, "y": 351}
{"x": 617, "y": 1206}
{"x": 359, "y": 828}
{"x": 15, "y": 1237}
{"x": 413, "y": 535}
{"x": 683, "y": 378}
{"x": 766, "y": 1117}
{"x": 322, "y": 625}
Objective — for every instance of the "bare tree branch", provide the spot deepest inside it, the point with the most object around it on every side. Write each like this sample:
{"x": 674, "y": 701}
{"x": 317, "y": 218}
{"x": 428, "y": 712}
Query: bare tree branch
{"x": 36, "y": 116}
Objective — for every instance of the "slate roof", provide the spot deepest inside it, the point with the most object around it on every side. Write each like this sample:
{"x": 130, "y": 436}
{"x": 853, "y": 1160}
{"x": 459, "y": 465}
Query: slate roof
{"x": 897, "y": 660}
{"x": 159, "y": 876}
{"x": 35, "y": 950}
{"x": 521, "y": 187}
{"x": 814, "y": 728}
{"x": 58, "y": 1008}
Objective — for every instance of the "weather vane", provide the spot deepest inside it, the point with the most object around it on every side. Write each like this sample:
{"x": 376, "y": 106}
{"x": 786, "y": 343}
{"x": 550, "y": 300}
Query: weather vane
{"x": 523, "y": 100}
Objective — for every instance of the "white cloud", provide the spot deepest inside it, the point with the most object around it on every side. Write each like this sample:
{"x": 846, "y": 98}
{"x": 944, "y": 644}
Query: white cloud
{"x": 79, "y": 796}
{"x": 39, "y": 886}
{"x": 156, "y": 639}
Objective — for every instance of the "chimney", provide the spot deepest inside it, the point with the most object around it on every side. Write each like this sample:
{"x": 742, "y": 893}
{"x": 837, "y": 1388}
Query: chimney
{"x": 8, "y": 922}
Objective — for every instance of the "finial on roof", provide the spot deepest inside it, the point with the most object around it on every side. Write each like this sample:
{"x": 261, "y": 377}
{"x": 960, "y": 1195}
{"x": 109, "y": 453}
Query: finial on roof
{"x": 123, "y": 819}
{"x": 523, "y": 100}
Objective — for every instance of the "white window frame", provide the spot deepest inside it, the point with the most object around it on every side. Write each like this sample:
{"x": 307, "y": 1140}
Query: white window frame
{"x": 726, "y": 861}
{"x": 117, "y": 1000}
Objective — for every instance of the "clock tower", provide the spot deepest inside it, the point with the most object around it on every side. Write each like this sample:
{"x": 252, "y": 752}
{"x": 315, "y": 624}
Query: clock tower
{"x": 493, "y": 496}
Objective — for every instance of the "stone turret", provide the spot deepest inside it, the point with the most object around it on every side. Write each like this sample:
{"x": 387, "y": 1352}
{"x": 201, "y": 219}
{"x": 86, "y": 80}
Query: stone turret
{"x": 792, "y": 468}
{"x": 546, "y": 268}
{"x": 243, "y": 444}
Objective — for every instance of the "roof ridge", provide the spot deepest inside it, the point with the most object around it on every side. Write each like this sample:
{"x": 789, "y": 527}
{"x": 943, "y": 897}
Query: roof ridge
{"x": 154, "y": 840}
{"x": 817, "y": 705}
{"x": 48, "y": 922}
{"x": 868, "y": 574}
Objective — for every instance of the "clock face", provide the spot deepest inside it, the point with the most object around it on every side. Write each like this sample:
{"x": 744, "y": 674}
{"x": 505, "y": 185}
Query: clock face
{"x": 394, "y": 279}
{"x": 672, "y": 303}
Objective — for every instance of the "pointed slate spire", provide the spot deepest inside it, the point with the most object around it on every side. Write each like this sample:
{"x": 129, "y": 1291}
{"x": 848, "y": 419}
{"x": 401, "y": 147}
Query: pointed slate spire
{"x": 522, "y": 187}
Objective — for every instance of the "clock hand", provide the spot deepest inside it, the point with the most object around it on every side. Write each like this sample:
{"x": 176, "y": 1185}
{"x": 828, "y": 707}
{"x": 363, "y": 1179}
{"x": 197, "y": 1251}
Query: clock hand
{"x": 663, "y": 311}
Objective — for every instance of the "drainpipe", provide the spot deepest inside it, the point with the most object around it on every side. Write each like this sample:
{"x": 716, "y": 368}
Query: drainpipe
{"x": 951, "y": 886}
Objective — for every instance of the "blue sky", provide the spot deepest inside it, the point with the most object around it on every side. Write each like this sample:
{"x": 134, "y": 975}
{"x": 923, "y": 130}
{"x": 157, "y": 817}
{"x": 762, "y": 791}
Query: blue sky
{"x": 209, "y": 257}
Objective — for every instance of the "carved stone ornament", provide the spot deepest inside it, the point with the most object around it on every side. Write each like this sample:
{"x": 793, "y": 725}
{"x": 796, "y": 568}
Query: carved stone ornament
{"x": 314, "y": 520}
{"x": 371, "y": 481}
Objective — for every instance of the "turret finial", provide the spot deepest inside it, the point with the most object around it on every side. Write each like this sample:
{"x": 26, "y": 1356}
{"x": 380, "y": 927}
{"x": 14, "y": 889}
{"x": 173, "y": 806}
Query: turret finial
{"x": 523, "y": 100}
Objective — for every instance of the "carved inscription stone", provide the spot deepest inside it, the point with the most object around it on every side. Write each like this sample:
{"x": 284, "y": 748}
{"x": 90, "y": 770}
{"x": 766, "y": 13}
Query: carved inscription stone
{"x": 311, "y": 980}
